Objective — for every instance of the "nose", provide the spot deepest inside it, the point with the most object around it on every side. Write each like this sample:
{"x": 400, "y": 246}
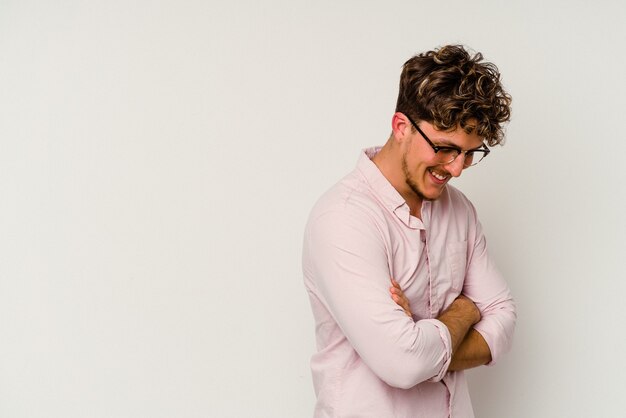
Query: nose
{"x": 455, "y": 168}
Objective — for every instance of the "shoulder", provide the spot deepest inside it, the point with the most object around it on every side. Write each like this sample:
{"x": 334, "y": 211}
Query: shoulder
{"x": 351, "y": 197}
{"x": 348, "y": 212}
{"x": 346, "y": 226}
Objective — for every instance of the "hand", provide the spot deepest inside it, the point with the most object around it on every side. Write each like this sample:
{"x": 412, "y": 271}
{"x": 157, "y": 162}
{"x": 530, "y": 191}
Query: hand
{"x": 398, "y": 296}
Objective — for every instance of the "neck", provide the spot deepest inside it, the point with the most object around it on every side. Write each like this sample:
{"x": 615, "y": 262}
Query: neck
{"x": 389, "y": 162}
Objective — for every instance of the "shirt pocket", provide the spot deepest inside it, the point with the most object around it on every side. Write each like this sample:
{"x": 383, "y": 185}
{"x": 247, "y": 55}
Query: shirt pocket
{"x": 457, "y": 262}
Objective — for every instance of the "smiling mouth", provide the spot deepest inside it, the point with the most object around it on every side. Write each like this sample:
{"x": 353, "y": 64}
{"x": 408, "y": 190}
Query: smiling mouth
{"x": 438, "y": 176}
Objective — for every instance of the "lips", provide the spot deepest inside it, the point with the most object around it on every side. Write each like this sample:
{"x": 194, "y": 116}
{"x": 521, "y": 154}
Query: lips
{"x": 439, "y": 178}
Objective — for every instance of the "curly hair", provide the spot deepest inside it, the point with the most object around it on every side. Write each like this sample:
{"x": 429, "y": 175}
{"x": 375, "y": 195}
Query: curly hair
{"x": 449, "y": 88}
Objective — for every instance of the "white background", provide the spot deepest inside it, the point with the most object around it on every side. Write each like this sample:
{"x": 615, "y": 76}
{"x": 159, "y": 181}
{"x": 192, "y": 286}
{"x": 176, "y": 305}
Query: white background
{"x": 158, "y": 160}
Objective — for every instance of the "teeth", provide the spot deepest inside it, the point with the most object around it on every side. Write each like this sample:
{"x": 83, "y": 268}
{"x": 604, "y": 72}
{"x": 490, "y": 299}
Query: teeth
{"x": 438, "y": 176}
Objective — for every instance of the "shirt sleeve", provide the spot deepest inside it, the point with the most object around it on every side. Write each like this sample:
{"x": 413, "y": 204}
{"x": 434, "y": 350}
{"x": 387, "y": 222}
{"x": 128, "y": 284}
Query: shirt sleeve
{"x": 346, "y": 263}
{"x": 485, "y": 285}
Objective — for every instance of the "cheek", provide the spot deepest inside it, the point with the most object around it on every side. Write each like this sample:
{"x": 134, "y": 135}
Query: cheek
{"x": 422, "y": 165}
{"x": 419, "y": 159}
{"x": 415, "y": 159}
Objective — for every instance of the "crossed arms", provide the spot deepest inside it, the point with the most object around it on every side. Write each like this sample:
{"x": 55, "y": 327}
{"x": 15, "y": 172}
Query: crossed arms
{"x": 469, "y": 348}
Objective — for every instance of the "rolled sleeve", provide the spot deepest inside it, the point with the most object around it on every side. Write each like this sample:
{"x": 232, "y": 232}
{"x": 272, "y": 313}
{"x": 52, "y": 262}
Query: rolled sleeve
{"x": 485, "y": 285}
{"x": 446, "y": 339}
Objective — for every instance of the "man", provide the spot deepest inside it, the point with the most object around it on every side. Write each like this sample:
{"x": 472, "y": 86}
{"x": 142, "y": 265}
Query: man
{"x": 394, "y": 223}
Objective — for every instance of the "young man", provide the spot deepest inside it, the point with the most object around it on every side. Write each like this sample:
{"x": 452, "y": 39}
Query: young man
{"x": 395, "y": 223}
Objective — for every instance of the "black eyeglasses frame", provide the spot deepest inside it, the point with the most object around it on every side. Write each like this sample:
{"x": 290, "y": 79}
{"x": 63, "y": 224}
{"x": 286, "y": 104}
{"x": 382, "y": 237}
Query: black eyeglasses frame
{"x": 458, "y": 150}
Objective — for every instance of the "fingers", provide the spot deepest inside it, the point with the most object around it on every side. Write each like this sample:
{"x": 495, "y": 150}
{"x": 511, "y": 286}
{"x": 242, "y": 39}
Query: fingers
{"x": 397, "y": 295}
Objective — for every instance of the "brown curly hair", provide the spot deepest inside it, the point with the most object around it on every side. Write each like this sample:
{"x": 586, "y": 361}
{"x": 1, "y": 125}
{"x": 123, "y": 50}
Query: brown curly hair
{"x": 449, "y": 88}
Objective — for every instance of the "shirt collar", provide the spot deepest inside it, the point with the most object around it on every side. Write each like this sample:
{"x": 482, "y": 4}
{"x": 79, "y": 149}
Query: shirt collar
{"x": 386, "y": 193}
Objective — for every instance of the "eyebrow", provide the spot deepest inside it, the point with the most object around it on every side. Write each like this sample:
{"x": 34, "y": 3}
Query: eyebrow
{"x": 448, "y": 144}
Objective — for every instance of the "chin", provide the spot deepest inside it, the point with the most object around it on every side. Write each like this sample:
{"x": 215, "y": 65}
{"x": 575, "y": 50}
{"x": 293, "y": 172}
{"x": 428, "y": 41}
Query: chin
{"x": 435, "y": 195}
{"x": 429, "y": 197}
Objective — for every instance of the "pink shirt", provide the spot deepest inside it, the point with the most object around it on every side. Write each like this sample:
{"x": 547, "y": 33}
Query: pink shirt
{"x": 372, "y": 360}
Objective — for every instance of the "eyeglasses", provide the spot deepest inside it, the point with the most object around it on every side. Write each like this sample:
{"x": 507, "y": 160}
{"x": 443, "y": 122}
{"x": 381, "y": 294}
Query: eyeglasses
{"x": 445, "y": 155}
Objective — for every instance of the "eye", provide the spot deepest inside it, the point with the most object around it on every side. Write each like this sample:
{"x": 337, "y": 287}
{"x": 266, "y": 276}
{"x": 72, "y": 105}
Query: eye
{"x": 449, "y": 151}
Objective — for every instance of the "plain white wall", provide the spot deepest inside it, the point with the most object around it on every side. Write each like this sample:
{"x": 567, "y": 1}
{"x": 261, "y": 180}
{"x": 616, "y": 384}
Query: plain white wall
{"x": 158, "y": 161}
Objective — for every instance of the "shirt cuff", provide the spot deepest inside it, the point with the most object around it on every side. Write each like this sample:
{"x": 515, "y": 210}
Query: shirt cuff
{"x": 483, "y": 330}
{"x": 446, "y": 341}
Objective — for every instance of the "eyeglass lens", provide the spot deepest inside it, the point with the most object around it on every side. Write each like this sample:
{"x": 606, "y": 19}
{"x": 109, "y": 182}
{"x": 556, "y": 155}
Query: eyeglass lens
{"x": 446, "y": 156}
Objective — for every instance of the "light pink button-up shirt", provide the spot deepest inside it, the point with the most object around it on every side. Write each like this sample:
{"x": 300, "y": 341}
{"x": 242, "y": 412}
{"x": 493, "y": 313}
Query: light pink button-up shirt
{"x": 372, "y": 360}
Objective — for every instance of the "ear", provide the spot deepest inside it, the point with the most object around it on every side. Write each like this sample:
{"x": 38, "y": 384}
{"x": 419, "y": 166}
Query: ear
{"x": 400, "y": 127}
